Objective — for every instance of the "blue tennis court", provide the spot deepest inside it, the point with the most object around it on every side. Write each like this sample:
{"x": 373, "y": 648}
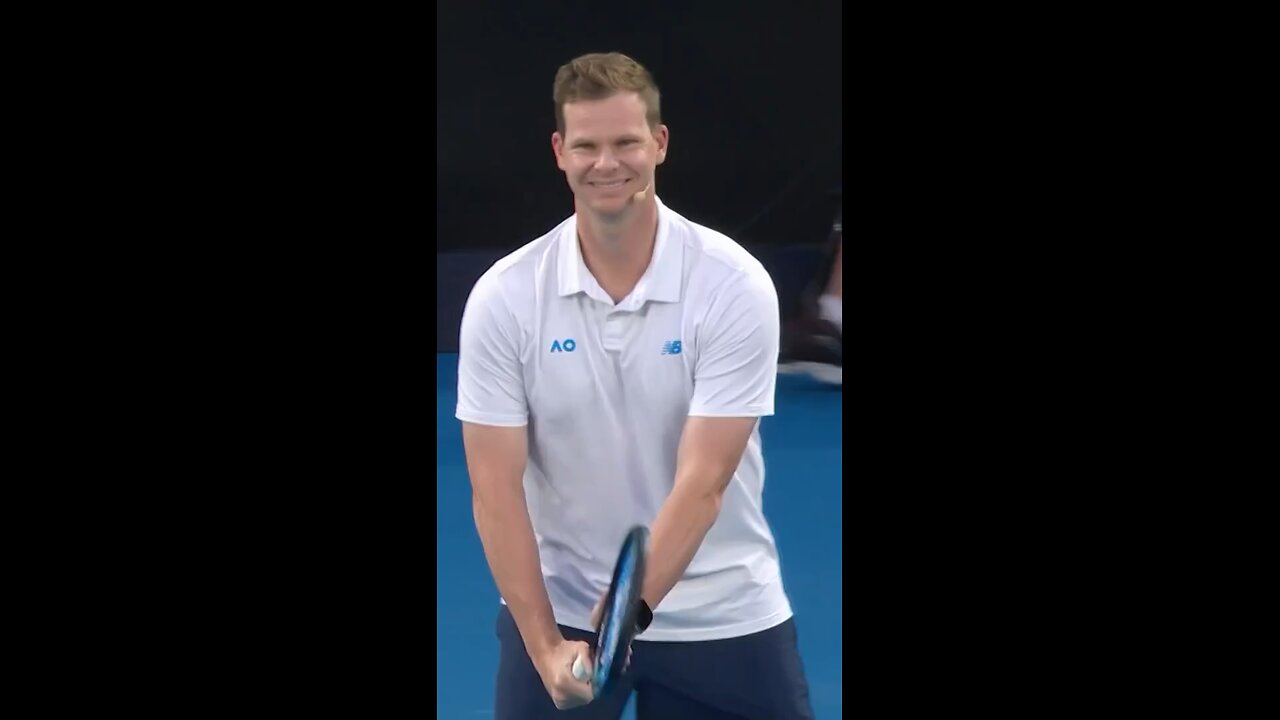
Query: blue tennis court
{"x": 802, "y": 502}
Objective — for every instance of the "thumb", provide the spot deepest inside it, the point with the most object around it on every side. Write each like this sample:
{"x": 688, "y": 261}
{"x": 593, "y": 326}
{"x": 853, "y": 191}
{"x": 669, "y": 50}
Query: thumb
{"x": 597, "y": 612}
{"x": 582, "y": 664}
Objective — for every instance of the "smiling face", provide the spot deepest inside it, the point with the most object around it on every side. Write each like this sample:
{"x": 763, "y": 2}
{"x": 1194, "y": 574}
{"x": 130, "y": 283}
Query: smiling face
{"x": 608, "y": 151}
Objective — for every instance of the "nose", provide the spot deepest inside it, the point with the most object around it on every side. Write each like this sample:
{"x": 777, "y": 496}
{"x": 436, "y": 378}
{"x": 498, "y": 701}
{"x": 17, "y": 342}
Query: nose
{"x": 606, "y": 160}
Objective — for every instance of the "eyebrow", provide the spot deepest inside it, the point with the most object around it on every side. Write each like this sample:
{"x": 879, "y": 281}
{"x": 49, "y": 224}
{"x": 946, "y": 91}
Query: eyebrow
{"x": 585, "y": 141}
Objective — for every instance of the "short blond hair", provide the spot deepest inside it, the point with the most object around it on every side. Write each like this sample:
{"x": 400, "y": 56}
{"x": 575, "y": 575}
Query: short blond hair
{"x": 596, "y": 76}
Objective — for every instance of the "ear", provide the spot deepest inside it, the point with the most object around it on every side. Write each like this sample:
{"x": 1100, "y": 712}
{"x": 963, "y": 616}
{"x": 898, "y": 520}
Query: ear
{"x": 557, "y": 147}
{"x": 662, "y": 136}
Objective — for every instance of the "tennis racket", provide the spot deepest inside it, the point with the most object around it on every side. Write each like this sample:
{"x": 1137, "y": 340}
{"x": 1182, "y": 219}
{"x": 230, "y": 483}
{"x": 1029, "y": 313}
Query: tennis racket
{"x": 619, "y": 614}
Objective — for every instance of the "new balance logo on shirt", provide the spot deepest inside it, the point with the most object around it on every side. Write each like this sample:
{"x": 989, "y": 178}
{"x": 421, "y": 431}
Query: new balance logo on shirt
{"x": 671, "y": 347}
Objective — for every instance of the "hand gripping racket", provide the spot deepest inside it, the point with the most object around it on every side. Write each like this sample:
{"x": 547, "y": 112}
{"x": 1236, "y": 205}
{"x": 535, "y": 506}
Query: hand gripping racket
{"x": 619, "y": 615}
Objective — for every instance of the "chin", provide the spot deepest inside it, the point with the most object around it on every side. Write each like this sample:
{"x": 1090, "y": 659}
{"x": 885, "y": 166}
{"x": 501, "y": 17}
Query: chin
{"x": 609, "y": 206}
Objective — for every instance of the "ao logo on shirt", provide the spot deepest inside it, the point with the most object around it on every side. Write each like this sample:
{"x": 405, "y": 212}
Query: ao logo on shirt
{"x": 567, "y": 345}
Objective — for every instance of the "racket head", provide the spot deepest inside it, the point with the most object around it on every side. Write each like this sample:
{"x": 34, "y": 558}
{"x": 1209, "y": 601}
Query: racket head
{"x": 620, "y": 612}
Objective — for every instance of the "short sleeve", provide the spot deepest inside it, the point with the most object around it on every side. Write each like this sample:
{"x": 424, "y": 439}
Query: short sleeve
{"x": 736, "y": 372}
{"x": 490, "y": 376}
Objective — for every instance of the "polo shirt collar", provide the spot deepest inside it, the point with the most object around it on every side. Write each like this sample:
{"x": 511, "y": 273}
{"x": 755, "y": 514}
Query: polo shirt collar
{"x": 661, "y": 282}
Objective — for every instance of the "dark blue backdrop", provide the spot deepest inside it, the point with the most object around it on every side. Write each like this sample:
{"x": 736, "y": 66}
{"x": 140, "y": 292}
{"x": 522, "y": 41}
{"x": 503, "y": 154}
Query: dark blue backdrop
{"x": 750, "y": 90}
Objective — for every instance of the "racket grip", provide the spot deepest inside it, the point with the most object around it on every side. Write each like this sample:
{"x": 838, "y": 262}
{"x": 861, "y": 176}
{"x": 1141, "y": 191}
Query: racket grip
{"x": 579, "y": 669}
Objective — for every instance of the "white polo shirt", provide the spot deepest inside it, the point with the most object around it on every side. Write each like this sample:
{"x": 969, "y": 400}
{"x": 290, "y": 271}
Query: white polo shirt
{"x": 605, "y": 390}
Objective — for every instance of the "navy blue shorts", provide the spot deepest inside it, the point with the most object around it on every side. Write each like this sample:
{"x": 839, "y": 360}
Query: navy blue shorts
{"x": 757, "y": 676}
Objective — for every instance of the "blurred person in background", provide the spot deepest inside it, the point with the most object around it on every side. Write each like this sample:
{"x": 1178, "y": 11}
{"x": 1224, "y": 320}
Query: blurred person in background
{"x": 813, "y": 340}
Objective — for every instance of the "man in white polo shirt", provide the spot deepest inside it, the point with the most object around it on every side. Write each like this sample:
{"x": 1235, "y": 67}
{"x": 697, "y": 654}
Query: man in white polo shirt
{"x": 613, "y": 373}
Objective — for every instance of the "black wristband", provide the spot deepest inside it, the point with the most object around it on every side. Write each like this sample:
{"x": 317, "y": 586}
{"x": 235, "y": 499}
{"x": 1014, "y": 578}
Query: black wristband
{"x": 644, "y": 617}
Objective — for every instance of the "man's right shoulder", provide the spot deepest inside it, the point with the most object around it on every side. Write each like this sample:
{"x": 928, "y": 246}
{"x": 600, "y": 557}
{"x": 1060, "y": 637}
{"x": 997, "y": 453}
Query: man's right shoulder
{"x": 518, "y": 270}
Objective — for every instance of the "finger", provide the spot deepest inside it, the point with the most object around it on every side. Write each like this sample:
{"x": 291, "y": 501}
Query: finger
{"x": 575, "y": 691}
{"x": 580, "y": 689}
{"x": 582, "y": 666}
{"x": 568, "y": 701}
{"x": 596, "y": 612}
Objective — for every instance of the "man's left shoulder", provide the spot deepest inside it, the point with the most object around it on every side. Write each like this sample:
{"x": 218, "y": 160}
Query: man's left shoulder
{"x": 726, "y": 257}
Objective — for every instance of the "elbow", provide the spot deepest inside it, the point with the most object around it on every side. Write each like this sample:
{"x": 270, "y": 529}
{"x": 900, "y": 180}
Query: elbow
{"x": 716, "y": 494}
{"x": 715, "y": 501}
{"x": 710, "y": 495}
{"x": 495, "y": 506}
{"x": 482, "y": 510}
{"x": 704, "y": 481}
{"x": 477, "y": 511}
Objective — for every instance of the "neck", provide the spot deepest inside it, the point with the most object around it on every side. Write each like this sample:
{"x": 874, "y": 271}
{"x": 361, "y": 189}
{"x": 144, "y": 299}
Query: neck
{"x": 618, "y": 250}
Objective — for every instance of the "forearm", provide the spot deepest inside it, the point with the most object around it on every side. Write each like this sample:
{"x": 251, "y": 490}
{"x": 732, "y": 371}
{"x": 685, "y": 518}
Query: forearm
{"x": 512, "y": 551}
{"x": 710, "y": 450}
{"x": 676, "y": 535}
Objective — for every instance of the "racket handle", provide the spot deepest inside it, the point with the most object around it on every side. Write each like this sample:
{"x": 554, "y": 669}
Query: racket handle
{"x": 579, "y": 669}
